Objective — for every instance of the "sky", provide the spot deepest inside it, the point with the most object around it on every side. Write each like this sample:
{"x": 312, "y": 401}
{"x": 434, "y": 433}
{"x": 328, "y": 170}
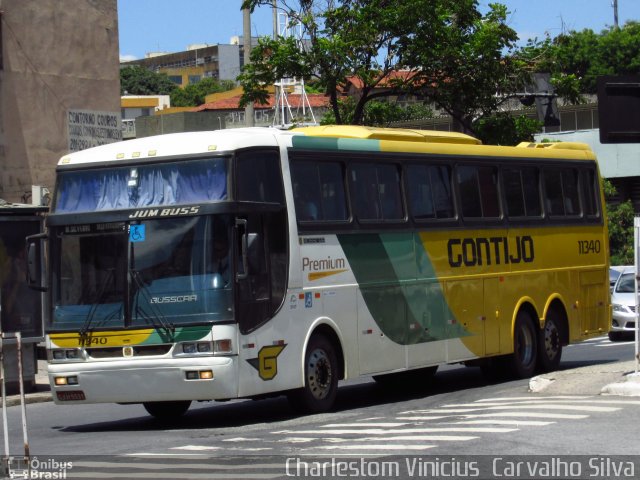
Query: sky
{"x": 171, "y": 25}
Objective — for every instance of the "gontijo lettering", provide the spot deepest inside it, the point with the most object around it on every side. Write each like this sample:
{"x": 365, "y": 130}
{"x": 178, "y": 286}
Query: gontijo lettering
{"x": 472, "y": 252}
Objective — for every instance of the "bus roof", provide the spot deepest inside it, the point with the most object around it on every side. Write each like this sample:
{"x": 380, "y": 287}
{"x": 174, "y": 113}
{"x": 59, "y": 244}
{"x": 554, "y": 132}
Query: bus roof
{"x": 333, "y": 137}
{"x": 176, "y": 144}
{"x": 359, "y": 138}
{"x": 393, "y": 134}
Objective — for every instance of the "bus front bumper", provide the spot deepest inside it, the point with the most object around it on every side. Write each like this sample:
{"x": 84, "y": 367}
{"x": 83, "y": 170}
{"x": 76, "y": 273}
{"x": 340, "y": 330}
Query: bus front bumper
{"x": 203, "y": 378}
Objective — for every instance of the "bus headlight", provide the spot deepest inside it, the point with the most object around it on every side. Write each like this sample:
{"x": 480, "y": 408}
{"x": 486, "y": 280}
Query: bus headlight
{"x": 65, "y": 354}
{"x": 195, "y": 348}
{"x": 217, "y": 347}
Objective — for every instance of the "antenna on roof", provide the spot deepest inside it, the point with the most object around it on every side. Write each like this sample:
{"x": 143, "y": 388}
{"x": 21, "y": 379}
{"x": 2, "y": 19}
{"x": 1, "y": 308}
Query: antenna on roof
{"x": 283, "y": 115}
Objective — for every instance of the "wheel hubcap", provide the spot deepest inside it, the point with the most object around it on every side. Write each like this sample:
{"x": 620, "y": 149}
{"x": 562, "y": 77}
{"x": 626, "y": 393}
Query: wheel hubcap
{"x": 551, "y": 339}
{"x": 319, "y": 374}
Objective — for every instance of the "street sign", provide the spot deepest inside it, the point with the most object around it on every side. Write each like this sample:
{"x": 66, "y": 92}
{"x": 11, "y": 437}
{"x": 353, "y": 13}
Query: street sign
{"x": 90, "y": 128}
{"x": 619, "y": 109}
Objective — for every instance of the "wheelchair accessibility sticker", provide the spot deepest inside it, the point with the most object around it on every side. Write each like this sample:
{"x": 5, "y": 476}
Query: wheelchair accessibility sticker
{"x": 137, "y": 233}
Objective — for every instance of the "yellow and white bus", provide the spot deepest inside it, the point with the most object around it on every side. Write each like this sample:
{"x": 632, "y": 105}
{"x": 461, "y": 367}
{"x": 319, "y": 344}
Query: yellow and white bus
{"x": 249, "y": 262}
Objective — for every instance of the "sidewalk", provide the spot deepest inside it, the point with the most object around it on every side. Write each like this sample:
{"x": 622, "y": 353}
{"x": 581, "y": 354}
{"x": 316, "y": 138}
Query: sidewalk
{"x": 616, "y": 378}
{"x": 42, "y": 392}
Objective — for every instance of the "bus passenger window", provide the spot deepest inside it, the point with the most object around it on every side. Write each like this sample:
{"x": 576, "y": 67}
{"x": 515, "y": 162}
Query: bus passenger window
{"x": 478, "y": 191}
{"x": 318, "y": 191}
{"x": 561, "y": 191}
{"x": 377, "y": 192}
{"x": 430, "y": 191}
{"x": 522, "y": 192}
{"x": 589, "y": 195}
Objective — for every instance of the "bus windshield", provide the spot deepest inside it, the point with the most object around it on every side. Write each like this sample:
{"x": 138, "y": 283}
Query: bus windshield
{"x": 171, "y": 271}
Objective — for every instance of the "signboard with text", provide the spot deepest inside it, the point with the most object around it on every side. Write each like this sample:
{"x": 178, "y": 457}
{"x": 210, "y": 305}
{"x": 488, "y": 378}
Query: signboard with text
{"x": 90, "y": 128}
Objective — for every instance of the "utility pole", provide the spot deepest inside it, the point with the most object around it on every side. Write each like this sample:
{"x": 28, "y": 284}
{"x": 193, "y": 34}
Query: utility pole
{"x": 246, "y": 39}
{"x": 614, "y": 4}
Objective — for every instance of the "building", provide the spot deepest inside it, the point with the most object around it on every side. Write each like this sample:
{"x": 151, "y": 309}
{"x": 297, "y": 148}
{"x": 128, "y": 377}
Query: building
{"x": 58, "y": 56}
{"x": 221, "y": 62}
{"x": 298, "y": 110}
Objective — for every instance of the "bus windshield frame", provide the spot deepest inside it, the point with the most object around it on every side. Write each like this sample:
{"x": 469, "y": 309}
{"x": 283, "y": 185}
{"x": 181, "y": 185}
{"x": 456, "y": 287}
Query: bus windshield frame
{"x": 161, "y": 272}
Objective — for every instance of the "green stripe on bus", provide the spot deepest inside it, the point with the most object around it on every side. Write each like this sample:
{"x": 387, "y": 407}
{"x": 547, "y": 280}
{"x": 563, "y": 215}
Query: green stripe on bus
{"x": 399, "y": 287}
{"x": 322, "y": 143}
{"x": 182, "y": 334}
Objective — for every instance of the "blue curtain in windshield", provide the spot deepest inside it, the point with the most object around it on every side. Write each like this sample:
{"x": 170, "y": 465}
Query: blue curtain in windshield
{"x": 142, "y": 186}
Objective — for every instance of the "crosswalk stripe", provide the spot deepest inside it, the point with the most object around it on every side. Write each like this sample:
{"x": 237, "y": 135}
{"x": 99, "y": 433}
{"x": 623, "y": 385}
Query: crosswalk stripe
{"x": 544, "y": 415}
{"x": 368, "y": 447}
{"x": 540, "y": 406}
{"x": 556, "y": 397}
{"x": 363, "y": 424}
{"x": 518, "y": 423}
{"x": 380, "y": 431}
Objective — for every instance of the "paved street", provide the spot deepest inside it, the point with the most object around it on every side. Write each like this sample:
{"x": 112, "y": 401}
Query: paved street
{"x": 459, "y": 415}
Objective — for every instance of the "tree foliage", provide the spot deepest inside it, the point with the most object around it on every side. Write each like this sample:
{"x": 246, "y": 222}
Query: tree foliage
{"x": 137, "y": 80}
{"x": 577, "y": 58}
{"x": 194, "y": 94}
{"x": 377, "y": 113}
{"x": 450, "y": 52}
{"x": 505, "y": 129}
{"x": 620, "y": 222}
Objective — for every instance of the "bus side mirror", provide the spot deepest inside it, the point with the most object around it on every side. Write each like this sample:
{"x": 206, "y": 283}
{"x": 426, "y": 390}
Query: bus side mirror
{"x": 35, "y": 273}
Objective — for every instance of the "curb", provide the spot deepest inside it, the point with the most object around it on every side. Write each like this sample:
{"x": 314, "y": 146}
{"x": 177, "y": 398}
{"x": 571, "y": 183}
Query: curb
{"x": 29, "y": 398}
{"x": 630, "y": 387}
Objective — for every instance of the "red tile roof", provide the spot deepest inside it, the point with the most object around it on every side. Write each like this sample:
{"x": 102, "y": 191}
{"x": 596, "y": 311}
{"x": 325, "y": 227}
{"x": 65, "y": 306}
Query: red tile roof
{"x": 315, "y": 100}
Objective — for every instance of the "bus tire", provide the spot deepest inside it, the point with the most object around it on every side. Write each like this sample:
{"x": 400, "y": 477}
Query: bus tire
{"x": 550, "y": 343}
{"x": 167, "y": 410}
{"x": 525, "y": 346}
{"x": 320, "y": 378}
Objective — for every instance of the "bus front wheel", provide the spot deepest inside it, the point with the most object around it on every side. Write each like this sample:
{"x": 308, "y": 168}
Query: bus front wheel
{"x": 320, "y": 378}
{"x": 525, "y": 346}
{"x": 167, "y": 410}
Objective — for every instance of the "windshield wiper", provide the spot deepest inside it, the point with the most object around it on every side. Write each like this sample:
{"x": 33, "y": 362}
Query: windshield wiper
{"x": 86, "y": 326}
{"x": 157, "y": 319}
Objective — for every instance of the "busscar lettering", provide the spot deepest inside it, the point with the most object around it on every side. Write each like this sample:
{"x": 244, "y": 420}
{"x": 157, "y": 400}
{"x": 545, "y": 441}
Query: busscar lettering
{"x": 480, "y": 251}
{"x": 174, "y": 299}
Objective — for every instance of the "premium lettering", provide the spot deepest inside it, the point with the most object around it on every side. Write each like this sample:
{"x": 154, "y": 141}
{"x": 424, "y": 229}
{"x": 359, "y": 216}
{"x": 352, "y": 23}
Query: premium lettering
{"x": 319, "y": 265}
{"x": 472, "y": 252}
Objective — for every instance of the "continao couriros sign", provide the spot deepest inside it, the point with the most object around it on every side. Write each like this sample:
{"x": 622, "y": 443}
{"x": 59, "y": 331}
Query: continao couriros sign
{"x": 90, "y": 128}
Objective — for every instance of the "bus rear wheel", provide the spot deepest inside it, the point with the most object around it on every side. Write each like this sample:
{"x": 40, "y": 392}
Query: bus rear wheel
{"x": 525, "y": 346}
{"x": 167, "y": 410}
{"x": 320, "y": 378}
{"x": 550, "y": 344}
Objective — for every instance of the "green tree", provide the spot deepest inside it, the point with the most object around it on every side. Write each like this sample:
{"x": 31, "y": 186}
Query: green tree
{"x": 194, "y": 94}
{"x": 470, "y": 67}
{"x": 505, "y": 129}
{"x": 445, "y": 44}
{"x": 137, "y": 80}
{"x": 577, "y": 58}
{"x": 620, "y": 222}
{"x": 377, "y": 113}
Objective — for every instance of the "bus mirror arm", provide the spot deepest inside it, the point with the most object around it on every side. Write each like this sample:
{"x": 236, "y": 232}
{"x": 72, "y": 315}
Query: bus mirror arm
{"x": 242, "y": 223}
{"x": 34, "y": 262}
